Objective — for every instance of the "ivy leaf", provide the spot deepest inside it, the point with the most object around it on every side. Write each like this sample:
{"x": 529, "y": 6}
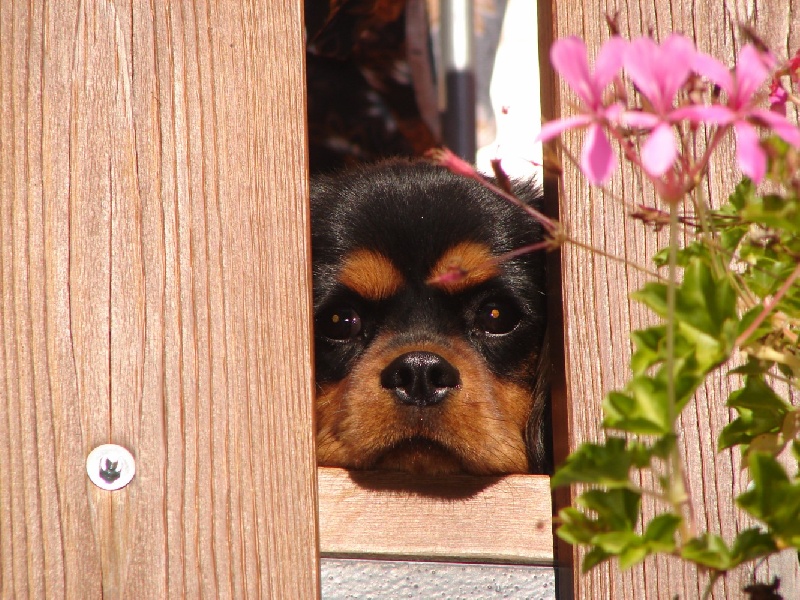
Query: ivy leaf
{"x": 643, "y": 408}
{"x": 708, "y": 550}
{"x": 742, "y": 194}
{"x": 774, "y": 211}
{"x": 633, "y": 554}
{"x": 660, "y": 532}
{"x": 684, "y": 255}
{"x": 576, "y": 528}
{"x": 618, "y": 508}
{"x": 706, "y": 305}
{"x": 605, "y": 464}
{"x": 610, "y": 531}
{"x": 645, "y": 411}
{"x": 761, "y": 411}
{"x": 649, "y": 348}
{"x": 654, "y": 296}
{"x": 593, "y": 558}
{"x": 773, "y": 498}
{"x": 750, "y": 544}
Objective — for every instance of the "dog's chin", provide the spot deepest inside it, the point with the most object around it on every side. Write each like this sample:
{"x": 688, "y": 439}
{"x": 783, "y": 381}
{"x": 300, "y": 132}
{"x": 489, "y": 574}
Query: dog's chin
{"x": 420, "y": 456}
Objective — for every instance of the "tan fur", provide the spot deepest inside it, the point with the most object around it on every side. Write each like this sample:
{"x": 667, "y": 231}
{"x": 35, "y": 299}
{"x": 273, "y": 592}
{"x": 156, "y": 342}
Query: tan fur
{"x": 472, "y": 262}
{"x": 371, "y": 275}
{"x": 478, "y": 428}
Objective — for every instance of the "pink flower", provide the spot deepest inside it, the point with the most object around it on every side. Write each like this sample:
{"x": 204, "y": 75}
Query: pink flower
{"x": 740, "y": 110}
{"x": 793, "y": 67}
{"x": 568, "y": 56}
{"x": 778, "y": 97}
{"x": 658, "y": 72}
{"x": 445, "y": 158}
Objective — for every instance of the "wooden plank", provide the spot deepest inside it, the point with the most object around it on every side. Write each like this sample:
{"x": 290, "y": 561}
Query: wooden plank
{"x": 477, "y": 519}
{"x": 154, "y": 293}
{"x": 598, "y": 314}
{"x": 561, "y": 410}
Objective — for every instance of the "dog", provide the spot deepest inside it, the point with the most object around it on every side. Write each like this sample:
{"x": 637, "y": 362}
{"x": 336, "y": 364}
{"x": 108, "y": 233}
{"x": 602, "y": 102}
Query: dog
{"x": 417, "y": 370}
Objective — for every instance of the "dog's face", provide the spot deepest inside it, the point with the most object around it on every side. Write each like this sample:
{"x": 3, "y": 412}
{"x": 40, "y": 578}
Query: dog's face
{"x": 418, "y": 370}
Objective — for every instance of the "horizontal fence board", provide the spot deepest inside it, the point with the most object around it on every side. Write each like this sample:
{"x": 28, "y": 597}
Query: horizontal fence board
{"x": 459, "y": 518}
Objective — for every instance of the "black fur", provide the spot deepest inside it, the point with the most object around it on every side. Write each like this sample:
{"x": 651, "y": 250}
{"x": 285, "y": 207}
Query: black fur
{"x": 412, "y": 212}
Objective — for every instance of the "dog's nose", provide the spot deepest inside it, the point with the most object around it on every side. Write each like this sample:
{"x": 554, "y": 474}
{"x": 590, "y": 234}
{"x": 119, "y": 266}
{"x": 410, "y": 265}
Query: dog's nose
{"x": 420, "y": 378}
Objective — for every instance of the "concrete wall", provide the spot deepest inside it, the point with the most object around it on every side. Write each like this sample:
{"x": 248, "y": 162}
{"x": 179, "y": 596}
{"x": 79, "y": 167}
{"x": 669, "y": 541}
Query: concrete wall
{"x": 384, "y": 580}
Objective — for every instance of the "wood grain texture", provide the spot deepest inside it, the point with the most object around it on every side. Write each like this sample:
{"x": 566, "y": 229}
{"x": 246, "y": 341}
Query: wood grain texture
{"x": 154, "y": 293}
{"x": 598, "y": 314}
{"x": 389, "y": 515}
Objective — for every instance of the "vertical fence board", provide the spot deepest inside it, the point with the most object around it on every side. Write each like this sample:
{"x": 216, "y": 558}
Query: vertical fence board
{"x": 155, "y": 294}
{"x": 598, "y": 314}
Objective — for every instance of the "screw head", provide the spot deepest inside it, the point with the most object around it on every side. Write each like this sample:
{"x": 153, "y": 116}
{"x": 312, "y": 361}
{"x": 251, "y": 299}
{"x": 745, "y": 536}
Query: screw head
{"x": 110, "y": 467}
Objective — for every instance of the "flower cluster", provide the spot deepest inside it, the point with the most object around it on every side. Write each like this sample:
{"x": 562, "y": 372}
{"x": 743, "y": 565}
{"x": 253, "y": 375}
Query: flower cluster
{"x": 667, "y": 77}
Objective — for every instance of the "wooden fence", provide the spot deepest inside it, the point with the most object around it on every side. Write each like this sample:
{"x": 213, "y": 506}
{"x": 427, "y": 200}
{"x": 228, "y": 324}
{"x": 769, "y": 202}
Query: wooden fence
{"x": 154, "y": 293}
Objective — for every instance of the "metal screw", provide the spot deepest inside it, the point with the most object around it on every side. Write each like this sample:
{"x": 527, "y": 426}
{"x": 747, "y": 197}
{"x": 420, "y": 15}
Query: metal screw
{"x": 110, "y": 467}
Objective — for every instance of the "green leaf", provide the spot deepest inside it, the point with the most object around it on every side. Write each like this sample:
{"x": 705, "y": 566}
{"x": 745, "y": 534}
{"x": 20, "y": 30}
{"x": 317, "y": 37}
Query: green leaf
{"x": 633, "y": 554}
{"x": 751, "y": 544}
{"x": 708, "y": 550}
{"x": 617, "y": 509}
{"x": 660, "y": 532}
{"x": 705, "y": 303}
{"x": 773, "y": 210}
{"x": 576, "y": 528}
{"x": 615, "y": 542}
{"x": 649, "y": 348}
{"x": 757, "y": 395}
{"x": 654, "y": 296}
{"x": 603, "y": 464}
{"x": 742, "y": 194}
{"x": 761, "y": 411}
{"x": 683, "y": 256}
{"x": 729, "y": 239}
{"x": 773, "y": 498}
{"x": 593, "y": 558}
{"x": 644, "y": 412}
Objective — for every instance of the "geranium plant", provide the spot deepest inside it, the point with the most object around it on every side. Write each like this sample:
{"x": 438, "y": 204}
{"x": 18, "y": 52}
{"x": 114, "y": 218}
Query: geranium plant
{"x": 729, "y": 298}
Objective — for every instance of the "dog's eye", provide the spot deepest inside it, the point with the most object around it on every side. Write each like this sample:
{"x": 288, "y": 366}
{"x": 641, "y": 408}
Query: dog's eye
{"x": 339, "y": 323}
{"x": 497, "y": 317}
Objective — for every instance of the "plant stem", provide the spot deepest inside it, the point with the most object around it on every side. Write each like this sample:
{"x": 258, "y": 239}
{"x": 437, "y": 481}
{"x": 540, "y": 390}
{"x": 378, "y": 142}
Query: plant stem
{"x": 675, "y": 476}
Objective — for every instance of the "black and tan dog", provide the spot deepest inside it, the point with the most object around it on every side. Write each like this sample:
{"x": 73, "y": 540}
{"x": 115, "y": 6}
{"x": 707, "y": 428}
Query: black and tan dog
{"x": 416, "y": 370}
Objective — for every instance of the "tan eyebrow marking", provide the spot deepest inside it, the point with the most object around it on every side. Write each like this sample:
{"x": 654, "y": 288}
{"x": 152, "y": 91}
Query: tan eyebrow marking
{"x": 370, "y": 274}
{"x": 465, "y": 265}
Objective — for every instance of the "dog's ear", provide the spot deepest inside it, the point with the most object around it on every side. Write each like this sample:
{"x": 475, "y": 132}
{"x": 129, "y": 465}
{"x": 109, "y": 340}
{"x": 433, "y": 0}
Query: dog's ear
{"x": 539, "y": 431}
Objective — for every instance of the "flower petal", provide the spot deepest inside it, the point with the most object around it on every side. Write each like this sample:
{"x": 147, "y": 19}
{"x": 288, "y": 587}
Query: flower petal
{"x": 659, "y": 71}
{"x": 715, "y": 114}
{"x": 659, "y": 151}
{"x": 638, "y": 118}
{"x": 609, "y": 62}
{"x": 553, "y": 128}
{"x": 751, "y": 71}
{"x": 677, "y": 56}
{"x": 640, "y": 57}
{"x": 779, "y": 124}
{"x": 568, "y": 56}
{"x": 598, "y": 160}
{"x": 750, "y": 156}
{"x": 710, "y": 68}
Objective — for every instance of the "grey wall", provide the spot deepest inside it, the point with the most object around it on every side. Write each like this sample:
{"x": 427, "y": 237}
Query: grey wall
{"x": 384, "y": 580}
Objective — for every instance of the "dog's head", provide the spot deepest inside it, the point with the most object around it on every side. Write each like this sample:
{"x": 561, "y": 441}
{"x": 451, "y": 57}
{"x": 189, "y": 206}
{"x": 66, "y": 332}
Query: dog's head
{"x": 416, "y": 369}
